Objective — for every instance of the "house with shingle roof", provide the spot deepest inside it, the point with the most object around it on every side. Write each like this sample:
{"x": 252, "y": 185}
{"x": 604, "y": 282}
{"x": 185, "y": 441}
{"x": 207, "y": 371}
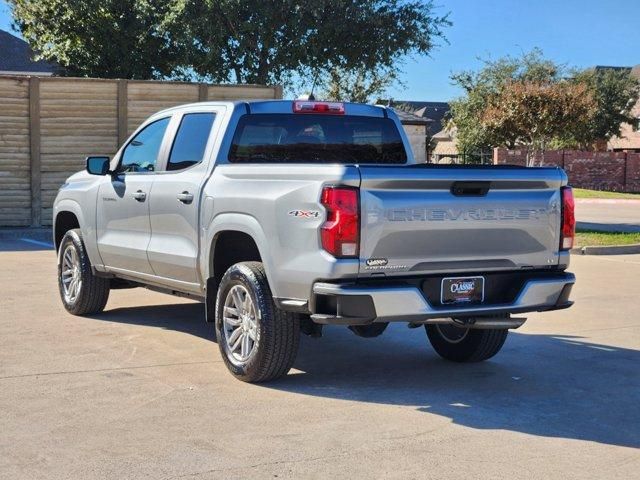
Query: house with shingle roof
{"x": 440, "y": 141}
{"x": 17, "y": 58}
{"x": 417, "y": 131}
{"x": 434, "y": 112}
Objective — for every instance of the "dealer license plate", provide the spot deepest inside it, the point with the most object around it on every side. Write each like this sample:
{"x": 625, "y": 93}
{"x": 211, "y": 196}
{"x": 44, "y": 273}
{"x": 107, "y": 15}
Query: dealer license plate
{"x": 462, "y": 290}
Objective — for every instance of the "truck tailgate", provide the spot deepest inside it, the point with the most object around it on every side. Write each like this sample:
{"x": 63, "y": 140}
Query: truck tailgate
{"x": 431, "y": 219}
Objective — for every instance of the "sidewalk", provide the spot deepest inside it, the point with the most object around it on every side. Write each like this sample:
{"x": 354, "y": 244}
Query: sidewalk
{"x": 608, "y": 215}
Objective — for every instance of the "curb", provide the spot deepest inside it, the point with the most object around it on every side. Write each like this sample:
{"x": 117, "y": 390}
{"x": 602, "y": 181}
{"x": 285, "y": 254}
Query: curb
{"x": 608, "y": 250}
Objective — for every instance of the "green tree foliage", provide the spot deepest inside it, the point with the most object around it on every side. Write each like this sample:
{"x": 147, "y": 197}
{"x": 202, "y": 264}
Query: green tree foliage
{"x": 533, "y": 114}
{"x": 616, "y": 93}
{"x": 361, "y": 85}
{"x": 533, "y": 102}
{"x": 483, "y": 88}
{"x": 257, "y": 41}
{"x": 241, "y": 41}
{"x": 100, "y": 38}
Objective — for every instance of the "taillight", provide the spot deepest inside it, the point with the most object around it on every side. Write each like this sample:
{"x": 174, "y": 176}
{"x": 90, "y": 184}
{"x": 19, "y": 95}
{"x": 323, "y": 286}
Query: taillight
{"x": 341, "y": 231}
{"x": 568, "y": 227}
{"x": 331, "y": 108}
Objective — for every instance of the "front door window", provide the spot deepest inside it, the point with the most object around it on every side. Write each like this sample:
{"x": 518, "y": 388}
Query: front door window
{"x": 141, "y": 154}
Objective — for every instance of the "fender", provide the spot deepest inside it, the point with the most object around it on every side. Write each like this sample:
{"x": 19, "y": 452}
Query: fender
{"x": 239, "y": 222}
{"x": 89, "y": 235}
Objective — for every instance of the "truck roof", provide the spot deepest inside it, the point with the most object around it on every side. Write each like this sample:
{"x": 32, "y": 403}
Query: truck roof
{"x": 282, "y": 106}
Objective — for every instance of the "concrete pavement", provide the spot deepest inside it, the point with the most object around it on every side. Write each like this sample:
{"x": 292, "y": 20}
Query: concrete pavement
{"x": 140, "y": 391}
{"x": 608, "y": 214}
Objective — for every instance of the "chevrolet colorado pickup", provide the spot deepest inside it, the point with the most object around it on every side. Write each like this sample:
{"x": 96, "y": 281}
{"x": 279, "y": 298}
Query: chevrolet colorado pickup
{"x": 283, "y": 216}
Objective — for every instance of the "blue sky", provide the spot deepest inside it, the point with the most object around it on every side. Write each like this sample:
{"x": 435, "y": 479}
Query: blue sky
{"x": 580, "y": 33}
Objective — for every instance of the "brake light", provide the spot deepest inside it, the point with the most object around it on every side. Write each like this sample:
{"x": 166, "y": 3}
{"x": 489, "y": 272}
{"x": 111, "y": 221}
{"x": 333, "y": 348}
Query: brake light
{"x": 341, "y": 231}
{"x": 568, "y": 226}
{"x": 330, "y": 108}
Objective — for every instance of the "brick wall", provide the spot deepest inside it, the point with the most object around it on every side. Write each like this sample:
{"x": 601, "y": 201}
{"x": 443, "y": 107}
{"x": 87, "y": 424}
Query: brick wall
{"x": 613, "y": 171}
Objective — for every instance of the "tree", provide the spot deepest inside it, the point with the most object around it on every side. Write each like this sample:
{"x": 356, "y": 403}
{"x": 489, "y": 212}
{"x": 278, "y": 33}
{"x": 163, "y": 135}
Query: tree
{"x": 616, "y": 92}
{"x": 359, "y": 85}
{"x": 241, "y": 41}
{"x": 100, "y": 38}
{"x": 534, "y": 102}
{"x": 533, "y": 114}
{"x": 484, "y": 87}
{"x": 265, "y": 42}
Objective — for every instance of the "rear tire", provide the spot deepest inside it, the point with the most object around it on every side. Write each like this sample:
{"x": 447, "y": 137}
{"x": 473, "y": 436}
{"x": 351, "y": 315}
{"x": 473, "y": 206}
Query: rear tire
{"x": 258, "y": 342}
{"x": 465, "y": 344}
{"x": 81, "y": 291}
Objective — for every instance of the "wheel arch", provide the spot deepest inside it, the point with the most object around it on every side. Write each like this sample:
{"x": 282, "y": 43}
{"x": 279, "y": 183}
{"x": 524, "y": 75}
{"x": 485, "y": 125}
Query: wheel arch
{"x": 228, "y": 248}
{"x": 65, "y": 221}
{"x": 66, "y": 216}
{"x": 64, "y": 212}
{"x": 251, "y": 245}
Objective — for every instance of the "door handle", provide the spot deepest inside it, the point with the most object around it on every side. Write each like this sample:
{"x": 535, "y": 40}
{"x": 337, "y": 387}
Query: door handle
{"x": 185, "y": 197}
{"x": 140, "y": 196}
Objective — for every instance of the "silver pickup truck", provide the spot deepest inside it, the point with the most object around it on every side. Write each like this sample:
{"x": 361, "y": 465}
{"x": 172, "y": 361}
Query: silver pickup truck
{"x": 283, "y": 216}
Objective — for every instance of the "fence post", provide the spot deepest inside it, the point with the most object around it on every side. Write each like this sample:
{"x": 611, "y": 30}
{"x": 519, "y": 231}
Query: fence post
{"x": 203, "y": 92}
{"x": 278, "y": 91}
{"x": 123, "y": 115}
{"x": 626, "y": 166}
{"x": 34, "y": 152}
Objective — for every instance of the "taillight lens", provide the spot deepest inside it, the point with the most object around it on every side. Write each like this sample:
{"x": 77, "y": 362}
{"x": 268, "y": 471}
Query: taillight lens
{"x": 330, "y": 108}
{"x": 568, "y": 228}
{"x": 341, "y": 231}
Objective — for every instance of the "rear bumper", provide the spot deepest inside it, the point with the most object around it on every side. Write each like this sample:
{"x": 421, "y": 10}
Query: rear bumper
{"x": 353, "y": 304}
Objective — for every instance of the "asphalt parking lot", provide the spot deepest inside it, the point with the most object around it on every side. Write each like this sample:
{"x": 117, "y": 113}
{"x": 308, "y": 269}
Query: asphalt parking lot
{"x": 140, "y": 391}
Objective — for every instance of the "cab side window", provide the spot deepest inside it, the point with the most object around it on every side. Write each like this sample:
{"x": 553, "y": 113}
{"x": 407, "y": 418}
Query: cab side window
{"x": 141, "y": 154}
{"x": 191, "y": 140}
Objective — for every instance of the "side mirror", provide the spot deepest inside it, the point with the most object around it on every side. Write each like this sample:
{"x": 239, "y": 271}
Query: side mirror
{"x": 98, "y": 165}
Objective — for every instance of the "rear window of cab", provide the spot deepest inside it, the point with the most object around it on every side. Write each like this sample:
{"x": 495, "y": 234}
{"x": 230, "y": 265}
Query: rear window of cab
{"x": 316, "y": 138}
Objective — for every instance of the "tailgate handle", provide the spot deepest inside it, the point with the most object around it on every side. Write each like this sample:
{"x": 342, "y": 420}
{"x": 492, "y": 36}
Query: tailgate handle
{"x": 470, "y": 189}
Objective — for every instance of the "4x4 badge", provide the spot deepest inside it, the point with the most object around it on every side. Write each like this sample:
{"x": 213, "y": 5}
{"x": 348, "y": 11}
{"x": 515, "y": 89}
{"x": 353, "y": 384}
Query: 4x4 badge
{"x": 304, "y": 213}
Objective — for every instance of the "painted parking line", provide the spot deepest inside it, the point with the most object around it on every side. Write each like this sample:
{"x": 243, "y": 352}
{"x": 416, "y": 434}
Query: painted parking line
{"x": 37, "y": 242}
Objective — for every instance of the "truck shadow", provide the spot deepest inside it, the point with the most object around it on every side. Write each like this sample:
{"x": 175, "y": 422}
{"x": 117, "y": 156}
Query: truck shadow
{"x": 544, "y": 385}
{"x": 551, "y": 386}
{"x": 180, "y": 317}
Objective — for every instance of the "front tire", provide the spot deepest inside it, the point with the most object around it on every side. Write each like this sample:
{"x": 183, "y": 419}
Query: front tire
{"x": 81, "y": 291}
{"x": 465, "y": 344}
{"x": 258, "y": 342}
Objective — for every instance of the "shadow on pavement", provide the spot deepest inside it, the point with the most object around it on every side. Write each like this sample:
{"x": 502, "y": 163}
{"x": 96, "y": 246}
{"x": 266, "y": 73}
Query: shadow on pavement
{"x": 550, "y": 386}
{"x": 23, "y": 245}
{"x": 181, "y": 317}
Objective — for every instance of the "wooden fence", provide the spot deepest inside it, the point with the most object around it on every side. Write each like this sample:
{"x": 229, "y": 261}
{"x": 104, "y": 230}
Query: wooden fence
{"x": 48, "y": 125}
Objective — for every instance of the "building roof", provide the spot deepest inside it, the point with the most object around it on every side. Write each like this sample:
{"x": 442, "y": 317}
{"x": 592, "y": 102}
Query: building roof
{"x": 16, "y": 58}
{"x": 445, "y": 134}
{"x": 407, "y": 118}
{"x": 433, "y": 111}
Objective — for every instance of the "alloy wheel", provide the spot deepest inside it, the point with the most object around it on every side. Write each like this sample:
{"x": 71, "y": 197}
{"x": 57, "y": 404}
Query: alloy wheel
{"x": 70, "y": 274}
{"x": 240, "y": 325}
